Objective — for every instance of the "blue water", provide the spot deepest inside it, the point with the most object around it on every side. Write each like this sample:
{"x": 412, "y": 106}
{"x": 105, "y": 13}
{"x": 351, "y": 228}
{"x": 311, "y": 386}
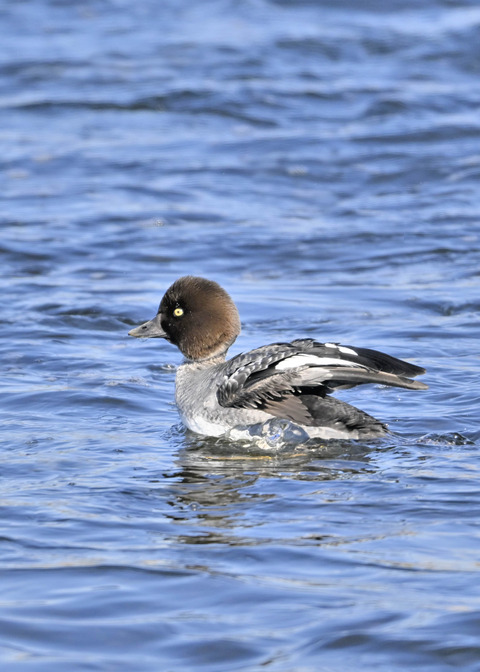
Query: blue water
{"x": 321, "y": 161}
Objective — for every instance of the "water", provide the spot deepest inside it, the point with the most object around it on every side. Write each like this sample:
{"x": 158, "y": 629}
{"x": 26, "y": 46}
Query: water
{"x": 321, "y": 161}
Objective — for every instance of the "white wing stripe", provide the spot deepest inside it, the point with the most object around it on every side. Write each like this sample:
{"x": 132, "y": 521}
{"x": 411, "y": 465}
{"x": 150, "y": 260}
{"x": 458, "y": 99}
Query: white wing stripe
{"x": 341, "y": 348}
{"x": 311, "y": 360}
{"x": 347, "y": 351}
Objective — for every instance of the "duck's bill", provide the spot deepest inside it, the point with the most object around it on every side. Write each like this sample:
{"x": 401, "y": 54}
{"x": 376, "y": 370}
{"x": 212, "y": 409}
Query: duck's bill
{"x": 150, "y": 329}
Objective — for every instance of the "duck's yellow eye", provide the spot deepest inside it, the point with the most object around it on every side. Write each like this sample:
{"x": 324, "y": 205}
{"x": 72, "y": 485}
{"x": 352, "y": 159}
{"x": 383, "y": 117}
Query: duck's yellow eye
{"x": 178, "y": 312}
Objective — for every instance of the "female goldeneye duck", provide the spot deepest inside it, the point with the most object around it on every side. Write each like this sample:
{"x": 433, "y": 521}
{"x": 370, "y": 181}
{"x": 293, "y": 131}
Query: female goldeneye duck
{"x": 291, "y": 381}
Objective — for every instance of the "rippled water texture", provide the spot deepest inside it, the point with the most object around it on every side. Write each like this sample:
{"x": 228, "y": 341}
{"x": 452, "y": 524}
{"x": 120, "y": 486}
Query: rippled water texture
{"x": 321, "y": 160}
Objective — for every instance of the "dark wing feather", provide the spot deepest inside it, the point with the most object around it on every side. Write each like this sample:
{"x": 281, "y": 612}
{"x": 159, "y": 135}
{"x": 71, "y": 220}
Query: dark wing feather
{"x": 336, "y": 377}
{"x": 337, "y": 414}
{"x": 299, "y": 393}
{"x": 252, "y": 371}
{"x": 313, "y": 411}
{"x": 372, "y": 359}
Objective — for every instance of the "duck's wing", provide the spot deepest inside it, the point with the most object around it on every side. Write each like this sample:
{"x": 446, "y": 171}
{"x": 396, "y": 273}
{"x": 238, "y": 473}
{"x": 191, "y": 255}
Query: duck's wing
{"x": 275, "y": 378}
{"x": 252, "y": 377}
{"x": 372, "y": 361}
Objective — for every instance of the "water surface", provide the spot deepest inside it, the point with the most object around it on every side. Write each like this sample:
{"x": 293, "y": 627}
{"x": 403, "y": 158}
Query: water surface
{"x": 321, "y": 161}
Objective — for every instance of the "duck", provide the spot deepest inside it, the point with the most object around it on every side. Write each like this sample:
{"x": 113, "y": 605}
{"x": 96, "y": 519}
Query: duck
{"x": 292, "y": 381}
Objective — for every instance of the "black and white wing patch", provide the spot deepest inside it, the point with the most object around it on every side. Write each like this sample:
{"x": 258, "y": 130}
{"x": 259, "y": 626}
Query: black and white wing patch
{"x": 252, "y": 378}
{"x": 363, "y": 366}
{"x": 282, "y": 378}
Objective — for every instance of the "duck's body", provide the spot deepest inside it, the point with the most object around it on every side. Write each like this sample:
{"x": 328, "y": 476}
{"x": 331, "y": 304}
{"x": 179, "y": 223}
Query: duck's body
{"x": 283, "y": 380}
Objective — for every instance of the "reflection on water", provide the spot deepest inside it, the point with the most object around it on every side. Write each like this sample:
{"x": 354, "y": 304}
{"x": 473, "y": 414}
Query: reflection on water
{"x": 321, "y": 162}
{"x": 216, "y": 486}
